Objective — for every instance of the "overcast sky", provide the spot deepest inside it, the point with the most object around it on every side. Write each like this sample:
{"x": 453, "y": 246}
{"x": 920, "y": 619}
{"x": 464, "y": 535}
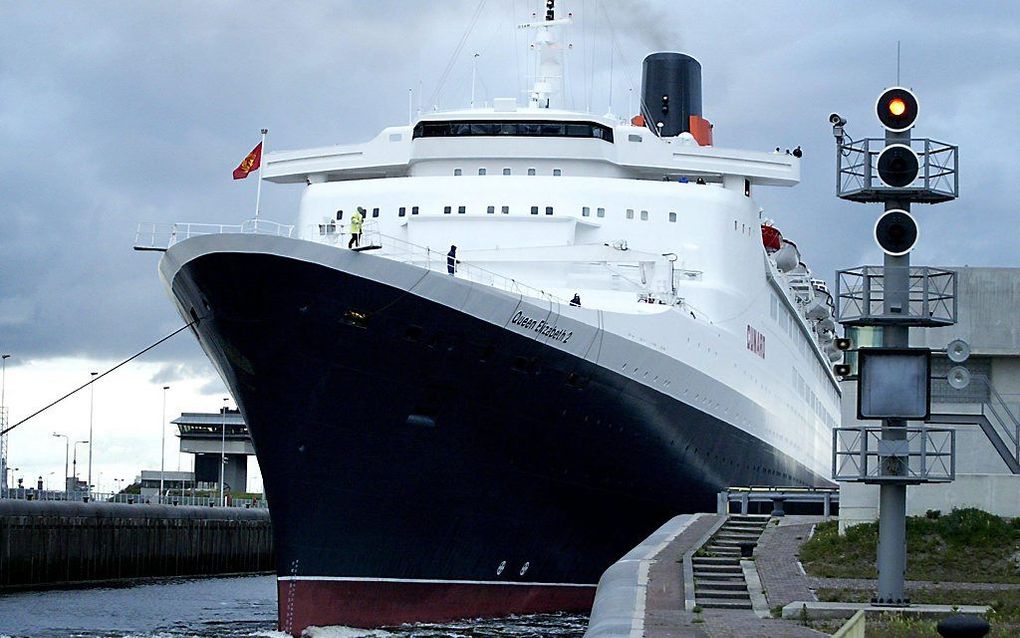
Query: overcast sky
{"x": 113, "y": 113}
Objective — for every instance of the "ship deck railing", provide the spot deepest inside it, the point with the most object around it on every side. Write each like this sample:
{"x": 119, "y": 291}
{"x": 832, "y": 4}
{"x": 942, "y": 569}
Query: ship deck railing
{"x": 435, "y": 260}
{"x": 160, "y": 236}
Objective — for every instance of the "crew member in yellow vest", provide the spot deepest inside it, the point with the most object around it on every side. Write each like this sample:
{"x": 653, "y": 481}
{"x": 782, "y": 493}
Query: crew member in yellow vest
{"x": 356, "y": 220}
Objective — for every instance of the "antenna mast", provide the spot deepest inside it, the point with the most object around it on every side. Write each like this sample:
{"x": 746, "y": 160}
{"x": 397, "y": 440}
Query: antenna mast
{"x": 549, "y": 76}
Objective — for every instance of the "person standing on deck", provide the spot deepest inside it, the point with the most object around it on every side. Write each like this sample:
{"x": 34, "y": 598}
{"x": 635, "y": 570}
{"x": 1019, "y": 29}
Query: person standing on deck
{"x": 451, "y": 260}
{"x": 356, "y": 220}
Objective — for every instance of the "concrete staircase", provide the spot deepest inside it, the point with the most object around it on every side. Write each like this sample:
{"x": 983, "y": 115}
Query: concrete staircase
{"x": 718, "y": 578}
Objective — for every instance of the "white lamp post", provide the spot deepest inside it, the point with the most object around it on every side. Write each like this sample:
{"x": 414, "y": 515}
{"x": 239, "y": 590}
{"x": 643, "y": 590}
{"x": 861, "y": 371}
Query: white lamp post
{"x": 74, "y": 463}
{"x": 162, "y": 444}
{"x": 223, "y": 451}
{"x": 92, "y": 402}
{"x": 67, "y": 444}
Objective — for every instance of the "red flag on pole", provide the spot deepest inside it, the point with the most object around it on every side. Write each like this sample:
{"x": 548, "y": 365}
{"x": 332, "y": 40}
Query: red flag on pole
{"x": 250, "y": 163}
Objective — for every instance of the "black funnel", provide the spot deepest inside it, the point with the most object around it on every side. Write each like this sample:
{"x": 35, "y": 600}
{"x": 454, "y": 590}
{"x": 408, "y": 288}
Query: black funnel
{"x": 670, "y": 92}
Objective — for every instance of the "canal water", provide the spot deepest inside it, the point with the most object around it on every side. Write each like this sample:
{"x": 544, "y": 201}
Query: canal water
{"x": 219, "y": 608}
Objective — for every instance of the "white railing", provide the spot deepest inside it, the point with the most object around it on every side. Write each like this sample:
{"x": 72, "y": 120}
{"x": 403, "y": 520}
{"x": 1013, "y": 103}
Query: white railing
{"x": 438, "y": 261}
{"x": 32, "y": 494}
{"x": 160, "y": 236}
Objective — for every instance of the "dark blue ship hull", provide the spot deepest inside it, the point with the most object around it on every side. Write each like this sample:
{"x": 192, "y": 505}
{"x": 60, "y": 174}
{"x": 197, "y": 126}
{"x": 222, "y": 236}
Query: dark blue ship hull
{"x": 424, "y": 464}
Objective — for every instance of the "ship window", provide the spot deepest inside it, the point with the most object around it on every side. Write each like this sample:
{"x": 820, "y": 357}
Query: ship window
{"x": 506, "y": 171}
{"x": 481, "y": 171}
{"x": 461, "y": 210}
{"x": 644, "y": 215}
{"x": 402, "y": 211}
{"x": 375, "y": 212}
{"x": 630, "y": 213}
{"x": 633, "y": 138}
{"x": 557, "y": 172}
{"x": 339, "y": 215}
{"x": 601, "y": 212}
{"x": 414, "y": 210}
{"x": 491, "y": 210}
{"x": 531, "y": 171}
{"x": 527, "y": 129}
{"x": 505, "y": 210}
{"x": 534, "y": 210}
{"x": 457, "y": 171}
{"x": 447, "y": 210}
{"x": 548, "y": 210}
{"x": 672, "y": 216}
{"x": 585, "y": 211}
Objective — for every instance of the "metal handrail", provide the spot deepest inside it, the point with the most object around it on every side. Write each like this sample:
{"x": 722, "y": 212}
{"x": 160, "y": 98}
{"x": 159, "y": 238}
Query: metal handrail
{"x": 160, "y": 236}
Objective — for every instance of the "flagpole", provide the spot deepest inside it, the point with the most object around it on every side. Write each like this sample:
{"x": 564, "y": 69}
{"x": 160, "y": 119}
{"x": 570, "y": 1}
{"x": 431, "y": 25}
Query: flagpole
{"x": 258, "y": 190}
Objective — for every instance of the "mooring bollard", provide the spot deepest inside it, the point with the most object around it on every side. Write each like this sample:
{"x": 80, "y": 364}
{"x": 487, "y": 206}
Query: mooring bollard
{"x": 963, "y": 627}
{"x": 777, "y": 507}
{"x": 747, "y": 548}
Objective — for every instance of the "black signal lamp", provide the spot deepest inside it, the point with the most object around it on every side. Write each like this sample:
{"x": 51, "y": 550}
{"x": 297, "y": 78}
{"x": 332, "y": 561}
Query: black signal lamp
{"x": 896, "y": 109}
{"x": 843, "y": 344}
{"x": 896, "y": 232}
{"x": 898, "y": 165}
{"x": 841, "y": 369}
{"x": 665, "y": 104}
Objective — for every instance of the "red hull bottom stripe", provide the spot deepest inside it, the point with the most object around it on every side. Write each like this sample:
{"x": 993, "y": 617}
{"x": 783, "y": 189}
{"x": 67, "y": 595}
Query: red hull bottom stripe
{"x": 367, "y": 603}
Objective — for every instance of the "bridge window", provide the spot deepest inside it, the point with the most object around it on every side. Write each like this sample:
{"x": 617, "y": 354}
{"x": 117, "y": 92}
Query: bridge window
{"x": 548, "y": 210}
{"x": 457, "y": 172}
{"x": 672, "y": 216}
{"x": 557, "y": 172}
{"x": 461, "y": 210}
{"x": 447, "y": 210}
{"x": 505, "y": 210}
{"x": 534, "y": 210}
{"x": 585, "y": 211}
{"x": 375, "y": 212}
{"x": 600, "y": 212}
{"x": 630, "y": 213}
{"x": 531, "y": 171}
{"x": 644, "y": 215}
{"x": 481, "y": 171}
{"x": 491, "y": 210}
{"x": 414, "y": 210}
{"x": 402, "y": 211}
{"x": 506, "y": 171}
{"x": 590, "y": 130}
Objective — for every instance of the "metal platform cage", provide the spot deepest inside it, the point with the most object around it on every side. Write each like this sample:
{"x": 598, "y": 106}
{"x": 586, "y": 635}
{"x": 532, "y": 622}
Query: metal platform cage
{"x": 861, "y": 291}
{"x": 937, "y": 176}
{"x": 924, "y": 455}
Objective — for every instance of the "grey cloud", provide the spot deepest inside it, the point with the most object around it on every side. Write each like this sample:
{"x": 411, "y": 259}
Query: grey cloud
{"x": 118, "y": 112}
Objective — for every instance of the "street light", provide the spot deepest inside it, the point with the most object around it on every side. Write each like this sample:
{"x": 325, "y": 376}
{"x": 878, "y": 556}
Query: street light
{"x": 67, "y": 443}
{"x": 223, "y": 451}
{"x": 3, "y": 421}
{"x": 92, "y": 402}
{"x": 12, "y": 470}
{"x": 162, "y": 445}
{"x": 74, "y": 463}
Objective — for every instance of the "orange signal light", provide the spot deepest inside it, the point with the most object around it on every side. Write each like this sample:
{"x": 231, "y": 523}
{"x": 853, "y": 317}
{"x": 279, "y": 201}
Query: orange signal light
{"x": 897, "y": 107}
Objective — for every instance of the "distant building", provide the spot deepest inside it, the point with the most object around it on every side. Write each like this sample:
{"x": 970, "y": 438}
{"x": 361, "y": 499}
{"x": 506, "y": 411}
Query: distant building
{"x": 988, "y": 311}
{"x": 207, "y": 435}
{"x": 173, "y": 483}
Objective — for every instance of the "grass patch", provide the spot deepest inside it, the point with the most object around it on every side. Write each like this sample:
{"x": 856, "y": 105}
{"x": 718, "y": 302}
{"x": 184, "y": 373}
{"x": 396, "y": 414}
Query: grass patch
{"x": 1004, "y": 619}
{"x": 968, "y": 545}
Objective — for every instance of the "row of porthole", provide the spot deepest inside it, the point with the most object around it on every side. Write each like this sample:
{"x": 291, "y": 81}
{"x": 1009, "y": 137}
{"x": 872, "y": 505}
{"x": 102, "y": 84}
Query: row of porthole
{"x": 502, "y": 568}
{"x": 457, "y": 172}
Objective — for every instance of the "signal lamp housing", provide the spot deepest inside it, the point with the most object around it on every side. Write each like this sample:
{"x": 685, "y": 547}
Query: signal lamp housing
{"x": 843, "y": 344}
{"x": 896, "y": 232}
{"x": 841, "y": 369}
{"x": 896, "y": 109}
{"x": 898, "y": 165}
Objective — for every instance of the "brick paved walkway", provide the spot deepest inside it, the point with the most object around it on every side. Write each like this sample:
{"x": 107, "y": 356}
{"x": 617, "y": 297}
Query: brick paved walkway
{"x": 863, "y": 583}
{"x": 777, "y": 560}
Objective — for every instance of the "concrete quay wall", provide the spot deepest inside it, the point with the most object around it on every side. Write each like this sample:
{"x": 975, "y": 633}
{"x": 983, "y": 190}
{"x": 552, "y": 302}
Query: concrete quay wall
{"x": 65, "y": 543}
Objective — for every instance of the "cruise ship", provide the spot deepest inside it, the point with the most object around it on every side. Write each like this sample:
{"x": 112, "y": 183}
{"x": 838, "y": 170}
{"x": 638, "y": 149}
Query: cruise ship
{"x": 618, "y": 335}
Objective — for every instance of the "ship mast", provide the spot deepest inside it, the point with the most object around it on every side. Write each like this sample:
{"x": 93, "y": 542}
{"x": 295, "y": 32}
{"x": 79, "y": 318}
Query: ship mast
{"x": 549, "y": 74}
